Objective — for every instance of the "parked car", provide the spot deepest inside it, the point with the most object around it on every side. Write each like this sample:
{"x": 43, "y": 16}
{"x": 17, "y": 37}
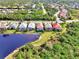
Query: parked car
{"x": 3, "y": 25}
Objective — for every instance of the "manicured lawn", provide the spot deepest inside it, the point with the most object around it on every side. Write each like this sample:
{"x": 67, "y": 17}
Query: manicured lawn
{"x": 43, "y": 38}
{"x": 30, "y": 32}
{"x": 9, "y": 31}
{"x": 18, "y": 32}
{"x": 63, "y": 27}
{"x": 63, "y": 24}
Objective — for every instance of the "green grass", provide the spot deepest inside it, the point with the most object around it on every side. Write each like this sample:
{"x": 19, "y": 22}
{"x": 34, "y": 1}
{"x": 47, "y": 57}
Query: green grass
{"x": 9, "y": 31}
{"x": 30, "y": 32}
{"x": 43, "y": 38}
{"x": 18, "y": 32}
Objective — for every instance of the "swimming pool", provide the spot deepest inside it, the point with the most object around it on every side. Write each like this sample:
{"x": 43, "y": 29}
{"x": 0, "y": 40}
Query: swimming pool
{"x": 9, "y": 42}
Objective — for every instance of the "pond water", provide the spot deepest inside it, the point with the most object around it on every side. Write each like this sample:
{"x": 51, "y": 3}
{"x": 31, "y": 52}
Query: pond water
{"x": 9, "y": 42}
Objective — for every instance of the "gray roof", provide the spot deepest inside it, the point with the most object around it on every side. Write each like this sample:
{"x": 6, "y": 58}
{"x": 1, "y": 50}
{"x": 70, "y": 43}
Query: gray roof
{"x": 31, "y": 25}
{"x": 23, "y": 25}
{"x": 13, "y": 25}
{"x": 48, "y": 25}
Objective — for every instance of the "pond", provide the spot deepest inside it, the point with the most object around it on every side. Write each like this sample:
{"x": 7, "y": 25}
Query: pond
{"x": 9, "y": 42}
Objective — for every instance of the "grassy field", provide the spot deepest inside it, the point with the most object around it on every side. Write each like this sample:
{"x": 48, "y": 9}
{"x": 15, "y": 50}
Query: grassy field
{"x": 43, "y": 38}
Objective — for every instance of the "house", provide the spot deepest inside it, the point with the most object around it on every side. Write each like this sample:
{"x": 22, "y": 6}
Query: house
{"x": 3, "y": 25}
{"x": 74, "y": 5}
{"x": 31, "y": 26}
{"x": 63, "y": 13}
{"x": 13, "y": 25}
{"x": 34, "y": 5}
{"x": 56, "y": 26}
{"x": 9, "y": 11}
{"x": 28, "y": 6}
{"x": 22, "y": 27}
{"x": 39, "y": 27}
{"x": 48, "y": 26}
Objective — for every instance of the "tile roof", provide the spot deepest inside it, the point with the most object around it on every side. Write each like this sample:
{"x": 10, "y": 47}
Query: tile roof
{"x": 56, "y": 25}
{"x": 39, "y": 25}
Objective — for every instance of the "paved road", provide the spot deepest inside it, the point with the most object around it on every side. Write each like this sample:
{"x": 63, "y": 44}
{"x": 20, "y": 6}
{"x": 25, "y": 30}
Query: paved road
{"x": 67, "y": 21}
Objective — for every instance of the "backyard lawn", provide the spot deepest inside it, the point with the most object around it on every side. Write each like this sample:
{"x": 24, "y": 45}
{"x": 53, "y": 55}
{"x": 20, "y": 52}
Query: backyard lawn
{"x": 9, "y": 31}
{"x": 64, "y": 27}
{"x": 17, "y": 32}
{"x": 43, "y": 38}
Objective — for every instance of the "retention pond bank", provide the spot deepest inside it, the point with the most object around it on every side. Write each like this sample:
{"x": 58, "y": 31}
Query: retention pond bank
{"x": 9, "y": 42}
